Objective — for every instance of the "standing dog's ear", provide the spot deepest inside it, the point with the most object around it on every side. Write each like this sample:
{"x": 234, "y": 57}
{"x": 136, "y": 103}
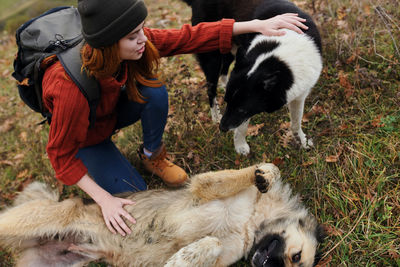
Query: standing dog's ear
{"x": 270, "y": 80}
{"x": 241, "y": 58}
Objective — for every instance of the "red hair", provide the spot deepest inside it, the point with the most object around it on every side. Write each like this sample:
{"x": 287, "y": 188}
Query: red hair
{"x": 103, "y": 62}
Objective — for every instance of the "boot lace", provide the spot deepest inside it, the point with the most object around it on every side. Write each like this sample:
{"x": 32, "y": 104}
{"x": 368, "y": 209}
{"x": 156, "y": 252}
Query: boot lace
{"x": 160, "y": 161}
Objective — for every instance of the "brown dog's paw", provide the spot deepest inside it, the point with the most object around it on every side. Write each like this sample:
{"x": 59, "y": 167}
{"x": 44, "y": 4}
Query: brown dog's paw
{"x": 265, "y": 174}
{"x": 261, "y": 183}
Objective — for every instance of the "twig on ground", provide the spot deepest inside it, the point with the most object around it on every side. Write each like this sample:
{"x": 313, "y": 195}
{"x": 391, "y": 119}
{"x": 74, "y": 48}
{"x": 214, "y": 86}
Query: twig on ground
{"x": 385, "y": 17}
{"x": 338, "y": 243}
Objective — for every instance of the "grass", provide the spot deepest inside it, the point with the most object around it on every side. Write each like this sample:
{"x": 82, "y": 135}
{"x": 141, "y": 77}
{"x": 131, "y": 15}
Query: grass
{"x": 15, "y": 12}
{"x": 7, "y": 5}
{"x": 349, "y": 180}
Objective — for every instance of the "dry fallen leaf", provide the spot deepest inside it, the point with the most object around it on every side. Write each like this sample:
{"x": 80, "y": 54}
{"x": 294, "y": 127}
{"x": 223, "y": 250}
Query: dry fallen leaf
{"x": 23, "y": 136}
{"x": 194, "y": 80}
{"x": 341, "y": 13}
{"x": 325, "y": 262}
{"x": 306, "y": 117}
{"x": 237, "y": 160}
{"x": 7, "y": 162}
{"x": 315, "y": 110}
{"x": 171, "y": 157}
{"x": 171, "y": 110}
{"x": 344, "y": 37}
{"x": 344, "y": 82}
{"x": 197, "y": 160}
{"x": 163, "y": 23}
{"x": 6, "y": 73}
{"x": 343, "y": 126}
{"x": 120, "y": 134}
{"x": 9, "y": 196}
{"x": 319, "y": 109}
{"x": 350, "y": 59}
{"x": 367, "y": 9}
{"x": 307, "y": 163}
{"x": 393, "y": 253}
{"x": 342, "y": 24}
{"x": 6, "y": 126}
{"x": 278, "y": 161}
{"x": 19, "y": 156}
{"x": 301, "y": 4}
{"x": 286, "y": 139}
{"x": 25, "y": 183}
{"x": 22, "y": 174}
{"x": 377, "y": 122}
{"x": 325, "y": 132}
{"x": 332, "y": 230}
{"x": 38, "y": 128}
{"x": 254, "y": 129}
{"x": 220, "y": 100}
{"x": 284, "y": 125}
{"x": 203, "y": 117}
{"x": 332, "y": 158}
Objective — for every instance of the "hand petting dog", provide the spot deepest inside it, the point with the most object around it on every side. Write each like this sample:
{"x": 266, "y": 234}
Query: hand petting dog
{"x": 289, "y": 21}
{"x": 272, "y": 26}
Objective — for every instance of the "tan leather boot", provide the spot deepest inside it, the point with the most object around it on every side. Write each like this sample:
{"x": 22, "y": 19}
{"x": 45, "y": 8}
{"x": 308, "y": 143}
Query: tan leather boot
{"x": 157, "y": 164}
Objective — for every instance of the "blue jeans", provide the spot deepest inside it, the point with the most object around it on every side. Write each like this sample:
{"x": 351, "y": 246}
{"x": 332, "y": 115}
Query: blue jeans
{"x": 105, "y": 163}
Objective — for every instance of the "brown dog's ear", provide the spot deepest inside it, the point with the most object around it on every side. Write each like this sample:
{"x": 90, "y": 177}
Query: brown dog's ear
{"x": 320, "y": 233}
{"x": 317, "y": 258}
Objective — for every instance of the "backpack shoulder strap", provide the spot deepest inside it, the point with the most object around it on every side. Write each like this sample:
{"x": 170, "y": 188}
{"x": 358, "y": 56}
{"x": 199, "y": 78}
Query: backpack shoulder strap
{"x": 71, "y": 61}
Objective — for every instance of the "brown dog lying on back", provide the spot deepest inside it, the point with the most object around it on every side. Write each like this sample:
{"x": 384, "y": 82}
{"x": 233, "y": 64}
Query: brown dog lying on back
{"x": 217, "y": 219}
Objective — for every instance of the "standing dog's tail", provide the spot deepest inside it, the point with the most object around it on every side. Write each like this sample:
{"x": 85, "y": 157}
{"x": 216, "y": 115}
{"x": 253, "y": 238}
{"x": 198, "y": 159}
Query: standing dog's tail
{"x": 42, "y": 227}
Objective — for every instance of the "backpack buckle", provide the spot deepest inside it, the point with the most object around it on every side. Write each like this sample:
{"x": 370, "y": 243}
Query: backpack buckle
{"x": 59, "y": 42}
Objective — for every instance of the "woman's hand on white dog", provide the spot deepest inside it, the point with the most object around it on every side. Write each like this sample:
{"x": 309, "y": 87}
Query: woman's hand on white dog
{"x": 289, "y": 21}
{"x": 113, "y": 210}
{"x": 272, "y": 26}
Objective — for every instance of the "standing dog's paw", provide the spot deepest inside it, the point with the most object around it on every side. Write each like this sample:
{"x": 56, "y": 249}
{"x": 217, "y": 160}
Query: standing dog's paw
{"x": 265, "y": 175}
{"x": 308, "y": 144}
{"x": 301, "y": 139}
{"x": 215, "y": 112}
{"x": 243, "y": 148}
{"x": 223, "y": 80}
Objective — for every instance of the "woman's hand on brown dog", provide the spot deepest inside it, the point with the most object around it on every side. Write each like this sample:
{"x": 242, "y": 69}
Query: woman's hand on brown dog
{"x": 113, "y": 210}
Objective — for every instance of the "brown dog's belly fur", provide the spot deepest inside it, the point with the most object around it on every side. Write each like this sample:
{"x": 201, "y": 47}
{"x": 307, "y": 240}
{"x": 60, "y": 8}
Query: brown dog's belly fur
{"x": 170, "y": 220}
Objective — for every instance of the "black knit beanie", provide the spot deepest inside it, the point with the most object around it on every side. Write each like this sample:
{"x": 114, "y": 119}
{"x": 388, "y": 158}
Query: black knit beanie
{"x": 105, "y": 22}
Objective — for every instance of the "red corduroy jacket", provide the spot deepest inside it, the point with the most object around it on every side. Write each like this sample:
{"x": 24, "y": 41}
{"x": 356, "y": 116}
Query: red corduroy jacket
{"x": 69, "y": 128}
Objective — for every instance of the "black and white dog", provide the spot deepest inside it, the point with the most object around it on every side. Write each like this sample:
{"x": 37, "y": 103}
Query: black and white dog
{"x": 269, "y": 72}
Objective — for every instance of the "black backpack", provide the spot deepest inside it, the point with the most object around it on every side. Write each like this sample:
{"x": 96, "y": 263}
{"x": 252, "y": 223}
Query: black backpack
{"x": 55, "y": 32}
